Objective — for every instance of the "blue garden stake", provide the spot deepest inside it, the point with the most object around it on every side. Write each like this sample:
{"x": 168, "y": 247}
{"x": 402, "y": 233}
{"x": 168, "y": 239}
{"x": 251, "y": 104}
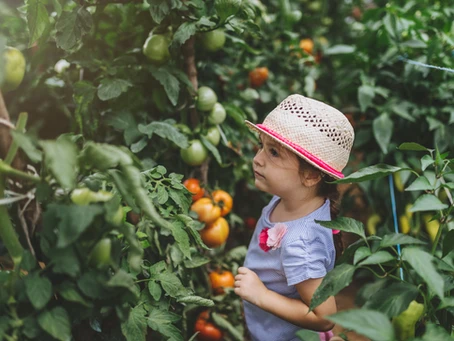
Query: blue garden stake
{"x": 396, "y": 226}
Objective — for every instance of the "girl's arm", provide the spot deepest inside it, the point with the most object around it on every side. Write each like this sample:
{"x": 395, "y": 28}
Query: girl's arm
{"x": 250, "y": 288}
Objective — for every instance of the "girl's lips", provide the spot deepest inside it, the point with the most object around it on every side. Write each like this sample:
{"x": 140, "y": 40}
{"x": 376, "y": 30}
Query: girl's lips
{"x": 257, "y": 174}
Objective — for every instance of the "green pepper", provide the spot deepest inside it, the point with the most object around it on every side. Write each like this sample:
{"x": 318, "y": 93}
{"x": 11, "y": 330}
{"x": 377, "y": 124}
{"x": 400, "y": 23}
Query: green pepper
{"x": 404, "y": 323}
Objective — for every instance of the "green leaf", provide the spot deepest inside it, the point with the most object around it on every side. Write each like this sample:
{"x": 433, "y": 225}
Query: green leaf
{"x": 170, "y": 83}
{"x": 227, "y": 8}
{"x": 159, "y": 9}
{"x": 340, "y": 49}
{"x": 65, "y": 261}
{"x": 413, "y": 147}
{"x": 182, "y": 238}
{"x": 27, "y": 144}
{"x": 182, "y": 200}
{"x": 214, "y": 151}
{"x": 37, "y": 19}
{"x": 38, "y": 289}
{"x": 161, "y": 321}
{"x": 393, "y": 299}
{"x": 60, "y": 157}
{"x": 422, "y": 263}
{"x": 426, "y": 161}
{"x": 155, "y": 290}
{"x": 370, "y": 173}
{"x": 135, "y": 327}
{"x": 434, "y": 332}
{"x": 427, "y": 202}
{"x": 122, "y": 279}
{"x": 90, "y": 286}
{"x": 366, "y": 94}
{"x": 72, "y": 26}
{"x": 398, "y": 238}
{"x": 56, "y": 323}
{"x": 84, "y": 94}
{"x": 383, "y": 130}
{"x": 165, "y": 130}
{"x": 448, "y": 243}
{"x": 73, "y": 220}
{"x": 307, "y": 335}
{"x": 361, "y": 253}
{"x": 170, "y": 283}
{"x": 369, "y": 323}
{"x": 420, "y": 184}
{"x": 225, "y": 324}
{"x": 197, "y": 300}
{"x": 184, "y": 32}
{"x": 334, "y": 281}
{"x": 112, "y": 88}
{"x": 162, "y": 195}
{"x": 378, "y": 258}
{"x": 345, "y": 224}
{"x": 69, "y": 292}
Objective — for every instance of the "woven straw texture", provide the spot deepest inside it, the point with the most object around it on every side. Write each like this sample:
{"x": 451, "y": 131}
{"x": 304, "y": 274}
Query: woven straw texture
{"x": 315, "y": 127}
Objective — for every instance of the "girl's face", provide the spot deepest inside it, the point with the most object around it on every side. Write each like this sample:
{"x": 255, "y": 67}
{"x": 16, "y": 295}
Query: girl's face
{"x": 276, "y": 169}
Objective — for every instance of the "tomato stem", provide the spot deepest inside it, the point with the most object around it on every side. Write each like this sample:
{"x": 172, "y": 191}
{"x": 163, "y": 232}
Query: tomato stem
{"x": 20, "y": 127}
{"x": 6, "y": 169}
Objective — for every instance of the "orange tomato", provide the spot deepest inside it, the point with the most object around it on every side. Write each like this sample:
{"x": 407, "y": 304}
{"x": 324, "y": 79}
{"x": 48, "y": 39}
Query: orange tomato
{"x": 258, "y": 76}
{"x": 207, "y": 330}
{"x": 207, "y": 211}
{"x": 216, "y": 233}
{"x": 221, "y": 280}
{"x": 224, "y": 200}
{"x": 307, "y": 45}
{"x": 193, "y": 186}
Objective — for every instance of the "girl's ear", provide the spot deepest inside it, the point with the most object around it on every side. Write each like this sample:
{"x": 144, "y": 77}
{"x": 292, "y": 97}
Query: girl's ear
{"x": 310, "y": 177}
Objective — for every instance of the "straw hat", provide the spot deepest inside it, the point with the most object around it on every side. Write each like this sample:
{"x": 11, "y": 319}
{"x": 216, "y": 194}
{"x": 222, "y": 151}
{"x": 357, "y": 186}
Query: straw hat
{"x": 315, "y": 131}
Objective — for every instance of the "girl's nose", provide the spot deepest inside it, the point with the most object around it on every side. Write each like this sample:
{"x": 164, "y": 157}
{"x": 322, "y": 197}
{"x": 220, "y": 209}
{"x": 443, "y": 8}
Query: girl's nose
{"x": 258, "y": 158}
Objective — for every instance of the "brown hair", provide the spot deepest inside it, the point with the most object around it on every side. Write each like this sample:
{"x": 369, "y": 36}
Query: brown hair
{"x": 329, "y": 191}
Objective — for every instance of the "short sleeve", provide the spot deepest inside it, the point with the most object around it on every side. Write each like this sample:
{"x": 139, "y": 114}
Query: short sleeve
{"x": 304, "y": 259}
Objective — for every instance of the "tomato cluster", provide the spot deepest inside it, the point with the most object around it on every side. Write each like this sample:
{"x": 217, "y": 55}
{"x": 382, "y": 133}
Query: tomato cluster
{"x": 211, "y": 211}
{"x": 207, "y": 330}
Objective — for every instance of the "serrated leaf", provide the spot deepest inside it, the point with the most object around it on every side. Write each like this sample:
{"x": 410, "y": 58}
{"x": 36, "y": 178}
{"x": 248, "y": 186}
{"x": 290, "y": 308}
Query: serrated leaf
{"x": 56, "y": 323}
{"x": 344, "y": 224}
{"x": 162, "y": 195}
{"x": 427, "y": 202}
{"x": 383, "y": 129}
{"x": 37, "y": 20}
{"x": 38, "y": 289}
{"x": 60, "y": 157}
{"x": 161, "y": 321}
{"x": 226, "y": 8}
{"x": 183, "y": 201}
{"x": 398, "y": 238}
{"x": 135, "y": 327}
{"x": 165, "y": 130}
{"x": 159, "y": 9}
{"x": 182, "y": 239}
{"x": 339, "y": 49}
{"x": 378, "y": 258}
{"x": 197, "y": 300}
{"x": 170, "y": 283}
{"x": 393, "y": 299}
{"x": 369, "y": 323}
{"x": 420, "y": 184}
{"x": 170, "y": 83}
{"x": 155, "y": 290}
{"x": 184, "y": 32}
{"x": 214, "y": 151}
{"x": 334, "y": 281}
{"x": 72, "y": 26}
{"x": 112, "y": 88}
{"x": 370, "y": 173}
{"x": 421, "y": 262}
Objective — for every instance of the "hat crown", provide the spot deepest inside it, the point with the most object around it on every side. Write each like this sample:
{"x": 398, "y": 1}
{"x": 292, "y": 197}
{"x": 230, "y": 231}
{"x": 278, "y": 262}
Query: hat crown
{"x": 315, "y": 127}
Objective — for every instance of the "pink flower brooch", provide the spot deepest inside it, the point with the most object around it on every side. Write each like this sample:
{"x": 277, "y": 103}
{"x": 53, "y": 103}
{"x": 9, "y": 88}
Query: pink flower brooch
{"x": 271, "y": 238}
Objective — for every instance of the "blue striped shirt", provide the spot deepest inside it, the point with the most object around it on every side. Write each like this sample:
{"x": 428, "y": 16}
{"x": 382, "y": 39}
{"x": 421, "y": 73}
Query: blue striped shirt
{"x": 307, "y": 251}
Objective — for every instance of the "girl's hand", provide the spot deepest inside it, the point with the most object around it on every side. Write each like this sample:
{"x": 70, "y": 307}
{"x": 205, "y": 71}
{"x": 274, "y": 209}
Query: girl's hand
{"x": 249, "y": 286}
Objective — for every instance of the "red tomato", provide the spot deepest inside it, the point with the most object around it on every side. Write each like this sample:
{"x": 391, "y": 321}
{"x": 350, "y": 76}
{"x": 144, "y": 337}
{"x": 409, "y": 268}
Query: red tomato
{"x": 250, "y": 222}
{"x": 221, "y": 280}
{"x": 216, "y": 233}
{"x": 224, "y": 200}
{"x": 207, "y": 330}
{"x": 193, "y": 186}
{"x": 207, "y": 211}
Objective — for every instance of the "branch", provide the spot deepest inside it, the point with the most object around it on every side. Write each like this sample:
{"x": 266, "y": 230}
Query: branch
{"x": 191, "y": 71}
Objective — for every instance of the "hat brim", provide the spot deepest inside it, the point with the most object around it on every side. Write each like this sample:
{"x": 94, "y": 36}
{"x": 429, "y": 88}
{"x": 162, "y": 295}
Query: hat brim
{"x": 301, "y": 152}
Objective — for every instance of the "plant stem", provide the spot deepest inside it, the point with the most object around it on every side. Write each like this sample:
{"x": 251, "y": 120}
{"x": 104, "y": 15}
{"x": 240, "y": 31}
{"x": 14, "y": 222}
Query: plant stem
{"x": 6, "y": 169}
{"x": 440, "y": 229}
{"x": 20, "y": 127}
{"x": 7, "y": 233}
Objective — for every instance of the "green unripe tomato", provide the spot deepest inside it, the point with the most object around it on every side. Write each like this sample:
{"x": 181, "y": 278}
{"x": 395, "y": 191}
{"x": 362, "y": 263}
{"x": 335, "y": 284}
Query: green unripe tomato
{"x": 156, "y": 49}
{"x": 84, "y": 196}
{"x": 217, "y": 114}
{"x": 117, "y": 218}
{"x": 100, "y": 255}
{"x": 213, "y": 135}
{"x": 183, "y": 128}
{"x": 195, "y": 154}
{"x": 206, "y": 98}
{"x": 14, "y": 69}
{"x": 213, "y": 40}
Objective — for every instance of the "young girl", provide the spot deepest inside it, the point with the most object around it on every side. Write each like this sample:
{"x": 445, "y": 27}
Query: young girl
{"x": 304, "y": 144}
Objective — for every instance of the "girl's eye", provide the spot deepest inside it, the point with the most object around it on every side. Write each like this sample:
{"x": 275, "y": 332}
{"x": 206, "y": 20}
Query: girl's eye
{"x": 260, "y": 145}
{"x": 273, "y": 152}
